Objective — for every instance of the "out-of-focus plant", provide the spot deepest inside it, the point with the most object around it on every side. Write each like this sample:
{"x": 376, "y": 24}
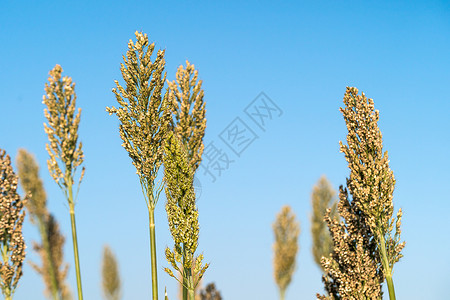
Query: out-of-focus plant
{"x": 12, "y": 214}
{"x": 144, "y": 121}
{"x": 286, "y": 230}
{"x": 64, "y": 148}
{"x": 210, "y": 293}
{"x": 53, "y": 270}
{"x": 365, "y": 248}
{"x": 110, "y": 275}
{"x": 322, "y": 198}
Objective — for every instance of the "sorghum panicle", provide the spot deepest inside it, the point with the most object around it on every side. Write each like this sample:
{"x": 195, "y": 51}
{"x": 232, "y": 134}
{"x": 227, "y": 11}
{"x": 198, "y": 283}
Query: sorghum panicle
{"x": 188, "y": 109}
{"x": 12, "y": 214}
{"x": 144, "y": 113}
{"x": 364, "y": 248}
{"x": 286, "y": 230}
{"x": 65, "y": 150}
{"x": 110, "y": 274}
{"x": 181, "y": 210}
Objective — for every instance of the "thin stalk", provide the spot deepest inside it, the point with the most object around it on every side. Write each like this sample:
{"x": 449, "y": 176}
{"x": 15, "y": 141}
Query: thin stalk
{"x": 151, "y": 214}
{"x": 387, "y": 269}
{"x": 75, "y": 240}
{"x": 191, "y": 286}
{"x": 282, "y": 294}
{"x": 45, "y": 244}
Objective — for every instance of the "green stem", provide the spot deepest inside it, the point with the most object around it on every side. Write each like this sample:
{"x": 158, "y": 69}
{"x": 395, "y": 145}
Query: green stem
{"x": 386, "y": 267}
{"x": 52, "y": 272}
{"x": 390, "y": 284}
{"x": 151, "y": 214}
{"x": 74, "y": 235}
{"x": 282, "y": 294}
{"x": 75, "y": 252}
{"x": 191, "y": 285}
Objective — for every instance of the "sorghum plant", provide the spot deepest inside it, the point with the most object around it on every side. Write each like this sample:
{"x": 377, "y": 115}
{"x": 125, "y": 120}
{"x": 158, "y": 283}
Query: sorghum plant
{"x": 52, "y": 242}
{"x": 368, "y": 232}
{"x": 210, "y": 293}
{"x": 188, "y": 109}
{"x": 182, "y": 215}
{"x": 189, "y": 122}
{"x": 12, "y": 245}
{"x": 110, "y": 274}
{"x": 64, "y": 148}
{"x": 286, "y": 230}
{"x": 322, "y": 198}
{"x": 144, "y": 121}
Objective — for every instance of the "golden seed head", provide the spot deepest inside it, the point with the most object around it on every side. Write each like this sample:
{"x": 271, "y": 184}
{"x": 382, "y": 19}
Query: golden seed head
{"x": 143, "y": 112}
{"x": 63, "y": 119}
{"x": 354, "y": 270}
{"x": 11, "y": 220}
{"x": 188, "y": 109}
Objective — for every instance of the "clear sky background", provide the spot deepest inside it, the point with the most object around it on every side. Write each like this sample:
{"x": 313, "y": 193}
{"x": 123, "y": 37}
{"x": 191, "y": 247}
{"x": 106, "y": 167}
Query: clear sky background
{"x": 302, "y": 55}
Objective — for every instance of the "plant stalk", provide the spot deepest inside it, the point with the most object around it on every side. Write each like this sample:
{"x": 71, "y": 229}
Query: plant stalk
{"x": 151, "y": 214}
{"x": 282, "y": 294}
{"x": 191, "y": 284}
{"x": 75, "y": 240}
{"x": 386, "y": 267}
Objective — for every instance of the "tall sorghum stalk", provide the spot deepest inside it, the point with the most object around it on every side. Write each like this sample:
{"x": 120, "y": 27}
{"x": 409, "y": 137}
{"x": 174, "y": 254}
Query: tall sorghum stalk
{"x": 12, "y": 245}
{"x": 144, "y": 121}
{"x": 182, "y": 215}
{"x": 52, "y": 242}
{"x": 110, "y": 275}
{"x": 286, "y": 230}
{"x": 189, "y": 121}
{"x": 322, "y": 198}
{"x": 366, "y": 241}
{"x": 64, "y": 148}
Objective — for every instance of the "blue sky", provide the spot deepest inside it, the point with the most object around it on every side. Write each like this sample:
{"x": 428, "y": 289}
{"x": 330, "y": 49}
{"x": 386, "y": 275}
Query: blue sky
{"x": 302, "y": 55}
